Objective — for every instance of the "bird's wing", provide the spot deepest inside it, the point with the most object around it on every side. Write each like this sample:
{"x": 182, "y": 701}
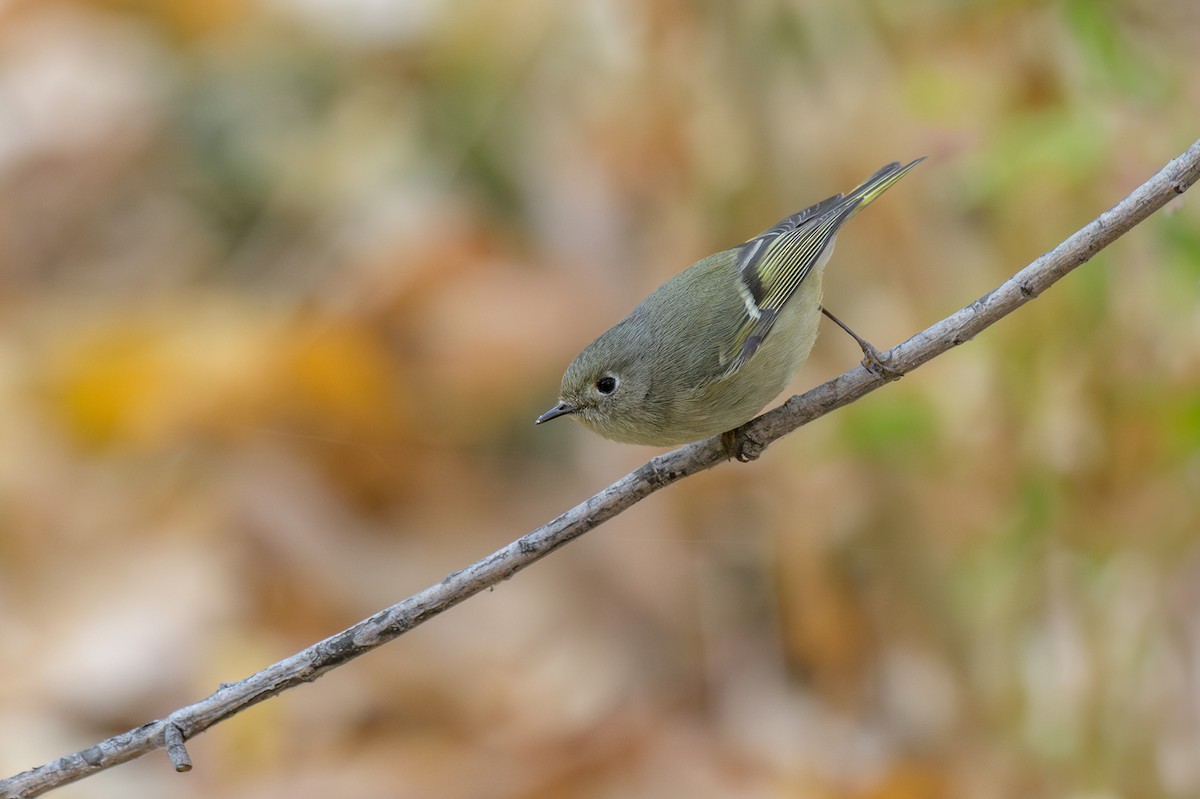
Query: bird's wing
{"x": 772, "y": 265}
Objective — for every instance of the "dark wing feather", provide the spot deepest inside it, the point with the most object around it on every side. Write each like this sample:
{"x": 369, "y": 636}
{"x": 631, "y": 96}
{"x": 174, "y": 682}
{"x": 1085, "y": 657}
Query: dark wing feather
{"x": 772, "y": 265}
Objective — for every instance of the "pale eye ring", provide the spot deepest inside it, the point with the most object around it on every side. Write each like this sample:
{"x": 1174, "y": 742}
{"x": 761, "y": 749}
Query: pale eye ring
{"x": 606, "y": 384}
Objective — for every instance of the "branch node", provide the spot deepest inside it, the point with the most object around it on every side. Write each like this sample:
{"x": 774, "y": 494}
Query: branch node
{"x": 658, "y": 475}
{"x": 173, "y": 740}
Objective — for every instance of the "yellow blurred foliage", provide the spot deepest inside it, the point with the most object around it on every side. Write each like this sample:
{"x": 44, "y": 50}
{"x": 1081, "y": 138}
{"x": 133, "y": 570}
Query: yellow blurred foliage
{"x": 145, "y": 379}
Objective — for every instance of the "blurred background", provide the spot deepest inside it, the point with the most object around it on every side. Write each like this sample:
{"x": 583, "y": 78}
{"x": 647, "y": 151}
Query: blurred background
{"x": 283, "y": 284}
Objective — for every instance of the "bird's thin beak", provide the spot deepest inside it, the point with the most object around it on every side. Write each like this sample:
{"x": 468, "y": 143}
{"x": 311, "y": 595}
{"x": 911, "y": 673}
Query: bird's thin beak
{"x": 561, "y": 409}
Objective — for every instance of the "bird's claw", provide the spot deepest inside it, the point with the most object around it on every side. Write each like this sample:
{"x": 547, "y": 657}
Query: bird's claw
{"x": 739, "y": 446}
{"x": 876, "y": 363}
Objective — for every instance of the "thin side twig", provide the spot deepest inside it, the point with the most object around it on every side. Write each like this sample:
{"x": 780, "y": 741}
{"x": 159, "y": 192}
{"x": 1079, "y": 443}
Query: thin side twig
{"x": 309, "y": 664}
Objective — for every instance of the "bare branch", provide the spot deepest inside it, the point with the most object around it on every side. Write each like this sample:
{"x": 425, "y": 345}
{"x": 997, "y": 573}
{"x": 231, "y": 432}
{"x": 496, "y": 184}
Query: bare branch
{"x": 305, "y": 666}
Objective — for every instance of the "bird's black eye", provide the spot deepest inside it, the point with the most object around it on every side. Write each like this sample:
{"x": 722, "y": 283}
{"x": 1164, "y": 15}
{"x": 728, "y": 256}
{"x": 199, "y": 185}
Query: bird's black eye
{"x": 606, "y": 384}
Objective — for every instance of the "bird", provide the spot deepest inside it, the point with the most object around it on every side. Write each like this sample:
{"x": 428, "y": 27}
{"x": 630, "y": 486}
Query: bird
{"x": 708, "y": 349}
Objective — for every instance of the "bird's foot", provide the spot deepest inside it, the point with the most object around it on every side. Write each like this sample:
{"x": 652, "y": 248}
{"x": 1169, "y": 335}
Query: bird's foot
{"x": 740, "y": 446}
{"x": 876, "y": 363}
{"x": 873, "y": 360}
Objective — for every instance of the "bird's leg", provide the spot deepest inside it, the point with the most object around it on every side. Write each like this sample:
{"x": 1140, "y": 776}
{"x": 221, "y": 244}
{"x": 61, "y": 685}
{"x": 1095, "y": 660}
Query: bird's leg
{"x": 874, "y": 361}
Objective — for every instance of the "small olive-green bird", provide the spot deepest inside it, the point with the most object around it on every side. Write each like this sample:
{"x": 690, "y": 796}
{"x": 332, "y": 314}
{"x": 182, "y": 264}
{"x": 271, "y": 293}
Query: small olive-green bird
{"x": 713, "y": 345}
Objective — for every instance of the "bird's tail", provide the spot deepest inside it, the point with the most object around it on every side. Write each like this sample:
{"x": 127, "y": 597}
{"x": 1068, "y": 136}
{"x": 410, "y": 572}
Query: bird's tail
{"x": 863, "y": 194}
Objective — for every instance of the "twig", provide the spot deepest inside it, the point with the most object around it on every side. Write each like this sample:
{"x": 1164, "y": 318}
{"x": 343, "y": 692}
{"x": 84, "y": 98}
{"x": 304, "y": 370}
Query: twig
{"x": 751, "y": 440}
{"x": 173, "y": 740}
